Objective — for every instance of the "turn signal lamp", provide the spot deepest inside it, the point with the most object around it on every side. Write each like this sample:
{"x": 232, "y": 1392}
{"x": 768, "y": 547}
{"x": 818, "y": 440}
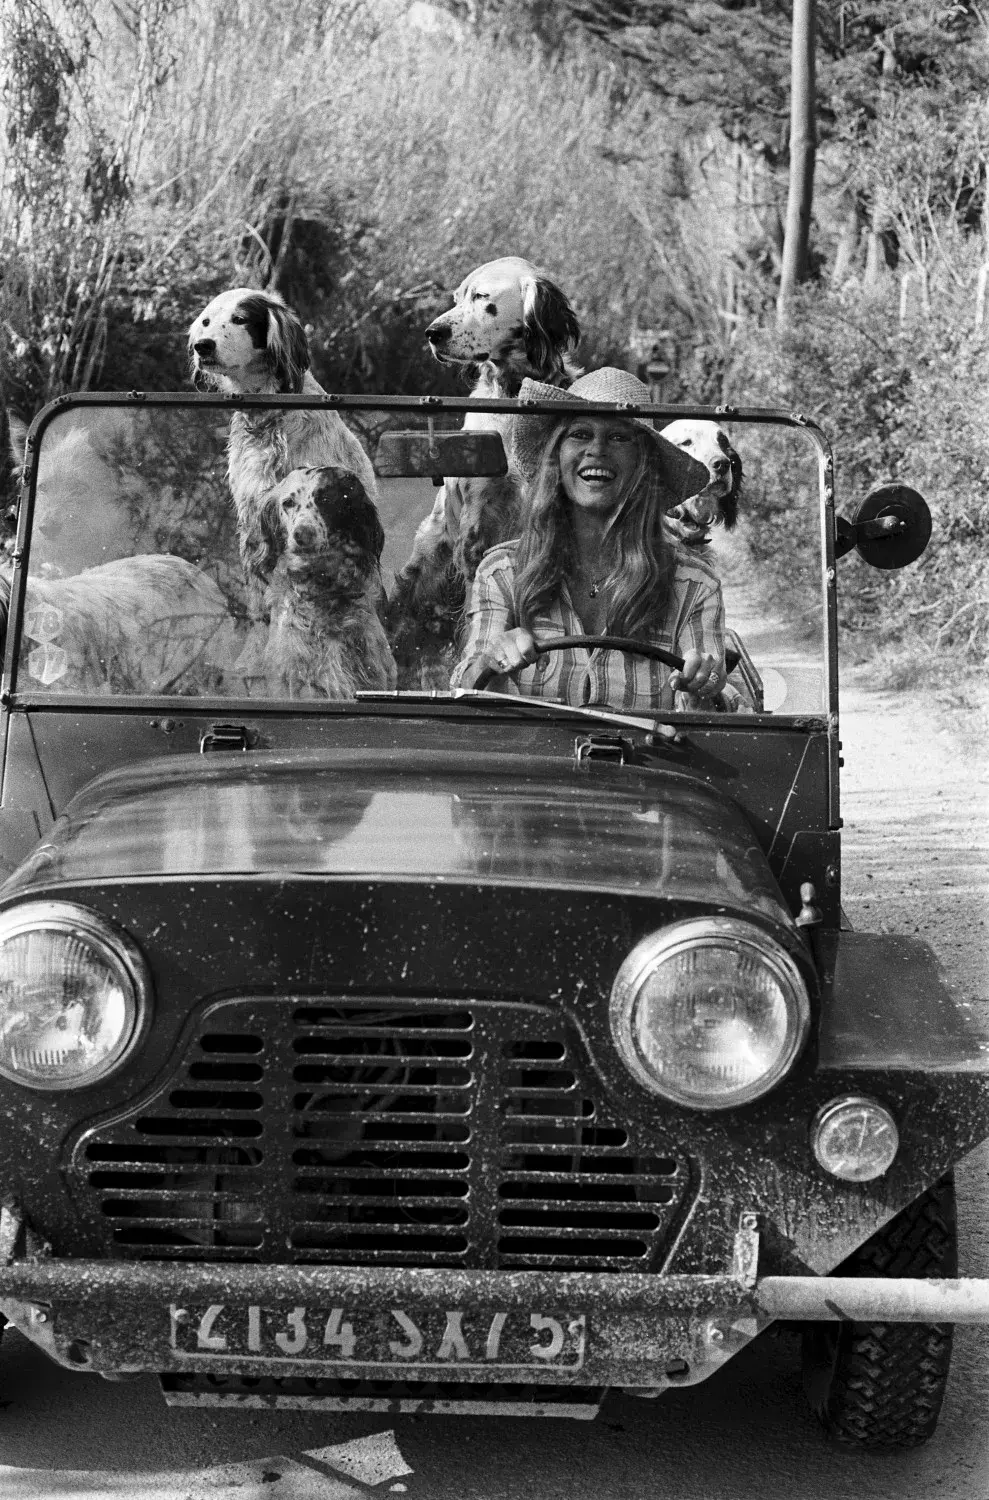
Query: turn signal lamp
{"x": 854, "y": 1138}
{"x": 74, "y": 996}
{"x": 709, "y": 1013}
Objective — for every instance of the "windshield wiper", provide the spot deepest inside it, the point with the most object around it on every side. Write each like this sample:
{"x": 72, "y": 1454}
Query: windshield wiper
{"x": 531, "y": 706}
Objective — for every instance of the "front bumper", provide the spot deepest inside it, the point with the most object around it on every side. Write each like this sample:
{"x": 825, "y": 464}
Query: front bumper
{"x": 571, "y": 1328}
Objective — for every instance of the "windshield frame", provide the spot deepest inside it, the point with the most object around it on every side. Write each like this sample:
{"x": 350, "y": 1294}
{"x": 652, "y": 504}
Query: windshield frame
{"x": 13, "y": 700}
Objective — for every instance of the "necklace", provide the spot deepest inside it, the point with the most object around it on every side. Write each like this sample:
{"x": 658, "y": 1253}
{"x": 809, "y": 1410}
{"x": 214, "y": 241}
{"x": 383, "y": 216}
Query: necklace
{"x": 592, "y": 582}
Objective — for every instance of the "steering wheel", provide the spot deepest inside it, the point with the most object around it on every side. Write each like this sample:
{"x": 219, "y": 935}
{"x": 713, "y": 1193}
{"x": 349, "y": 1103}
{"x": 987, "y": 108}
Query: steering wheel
{"x": 478, "y": 677}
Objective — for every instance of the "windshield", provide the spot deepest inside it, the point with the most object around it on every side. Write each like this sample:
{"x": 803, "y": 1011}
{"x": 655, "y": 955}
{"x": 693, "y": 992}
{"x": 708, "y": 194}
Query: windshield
{"x": 169, "y": 555}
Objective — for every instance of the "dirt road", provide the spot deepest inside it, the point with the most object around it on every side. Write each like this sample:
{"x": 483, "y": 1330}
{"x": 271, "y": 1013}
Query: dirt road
{"x": 915, "y": 792}
{"x": 916, "y": 859}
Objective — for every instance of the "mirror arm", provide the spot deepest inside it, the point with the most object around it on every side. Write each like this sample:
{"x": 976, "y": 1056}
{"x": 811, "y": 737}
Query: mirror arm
{"x": 881, "y": 526}
{"x": 847, "y": 534}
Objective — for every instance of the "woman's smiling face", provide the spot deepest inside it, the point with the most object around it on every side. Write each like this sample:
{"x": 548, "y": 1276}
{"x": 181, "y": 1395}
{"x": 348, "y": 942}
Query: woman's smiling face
{"x": 598, "y": 456}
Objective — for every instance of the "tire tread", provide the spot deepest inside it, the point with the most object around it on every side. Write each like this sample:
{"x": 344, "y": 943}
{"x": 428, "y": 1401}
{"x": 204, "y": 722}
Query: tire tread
{"x": 888, "y": 1379}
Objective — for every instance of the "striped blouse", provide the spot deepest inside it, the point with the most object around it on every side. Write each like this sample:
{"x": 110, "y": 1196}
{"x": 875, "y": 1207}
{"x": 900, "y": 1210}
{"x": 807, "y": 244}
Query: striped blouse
{"x": 696, "y": 621}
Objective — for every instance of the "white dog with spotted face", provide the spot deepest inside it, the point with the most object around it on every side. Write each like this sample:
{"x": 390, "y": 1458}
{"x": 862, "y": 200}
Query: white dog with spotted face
{"x": 717, "y": 503}
{"x": 250, "y": 343}
{"x": 326, "y": 639}
{"x": 509, "y": 321}
{"x": 509, "y": 318}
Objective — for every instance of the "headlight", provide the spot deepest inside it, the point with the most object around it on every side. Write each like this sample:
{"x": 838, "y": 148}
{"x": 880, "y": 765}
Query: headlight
{"x": 74, "y": 994}
{"x": 709, "y": 1013}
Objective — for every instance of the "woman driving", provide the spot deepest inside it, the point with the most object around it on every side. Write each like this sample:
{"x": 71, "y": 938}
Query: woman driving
{"x": 594, "y": 557}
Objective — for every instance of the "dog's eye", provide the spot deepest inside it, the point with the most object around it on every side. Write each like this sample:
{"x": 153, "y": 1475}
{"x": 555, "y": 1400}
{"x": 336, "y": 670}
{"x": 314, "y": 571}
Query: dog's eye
{"x": 289, "y": 504}
{"x": 235, "y": 319}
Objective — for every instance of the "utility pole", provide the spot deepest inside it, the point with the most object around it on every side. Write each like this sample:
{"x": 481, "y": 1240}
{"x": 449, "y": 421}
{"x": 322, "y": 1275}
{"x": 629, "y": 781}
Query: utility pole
{"x": 803, "y": 143}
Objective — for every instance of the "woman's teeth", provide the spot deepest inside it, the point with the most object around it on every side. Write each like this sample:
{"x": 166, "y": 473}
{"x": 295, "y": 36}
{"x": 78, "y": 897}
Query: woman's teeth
{"x": 597, "y": 476}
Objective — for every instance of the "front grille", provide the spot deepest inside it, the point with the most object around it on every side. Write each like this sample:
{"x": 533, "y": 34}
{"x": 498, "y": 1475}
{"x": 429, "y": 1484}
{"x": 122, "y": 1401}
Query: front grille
{"x": 382, "y": 1133}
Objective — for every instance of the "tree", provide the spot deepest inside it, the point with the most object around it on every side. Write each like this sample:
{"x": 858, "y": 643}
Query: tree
{"x": 726, "y": 64}
{"x": 803, "y": 140}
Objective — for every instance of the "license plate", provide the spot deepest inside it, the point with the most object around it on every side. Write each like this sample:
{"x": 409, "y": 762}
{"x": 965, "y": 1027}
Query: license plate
{"x": 438, "y": 1338}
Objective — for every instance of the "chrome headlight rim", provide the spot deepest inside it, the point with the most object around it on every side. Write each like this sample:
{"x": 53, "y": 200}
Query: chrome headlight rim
{"x": 121, "y": 954}
{"x": 701, "y": 932}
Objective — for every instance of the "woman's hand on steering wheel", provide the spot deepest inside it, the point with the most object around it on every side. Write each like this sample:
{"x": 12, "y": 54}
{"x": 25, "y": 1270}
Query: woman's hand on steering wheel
{"x": 701, "y": 677}
{"x": 507, "y": 652}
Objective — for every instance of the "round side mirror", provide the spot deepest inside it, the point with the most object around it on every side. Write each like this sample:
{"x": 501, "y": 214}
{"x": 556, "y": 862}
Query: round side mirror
{"x": 891, "y": 527}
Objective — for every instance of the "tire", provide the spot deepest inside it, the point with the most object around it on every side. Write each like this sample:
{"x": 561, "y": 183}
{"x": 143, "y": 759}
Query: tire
{"x": 880, "y": 1385}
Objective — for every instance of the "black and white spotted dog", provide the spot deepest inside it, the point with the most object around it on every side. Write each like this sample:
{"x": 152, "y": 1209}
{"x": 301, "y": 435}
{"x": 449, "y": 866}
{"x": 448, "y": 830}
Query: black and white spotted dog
{"x": 325, "y": 638}
{"x": 251, "y": 343}
{"x": 717, "y": 503}
{"x": 508, "y": 322}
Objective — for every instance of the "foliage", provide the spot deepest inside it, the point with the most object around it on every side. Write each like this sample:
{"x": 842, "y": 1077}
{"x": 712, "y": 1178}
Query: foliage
{"x": 899, "y": 404}
{"x": 77, "y": 86}
{"x": 361, "y": 159}
{"x": 369, "y": 170}
{"x": 727, "y": 62}
{"x": 893, "y": 77}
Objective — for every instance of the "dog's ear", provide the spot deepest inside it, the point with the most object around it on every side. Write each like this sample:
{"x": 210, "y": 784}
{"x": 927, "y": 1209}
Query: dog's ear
{"x": 346, "y": 508}
{"x": 275, "y": 328}
{"x": 287, "y": 348}
{"x": 261, "y": 544}
{"x": 549, "y": 325}
{"x": 376, "y": 534}
{"x": 729, "y": 505}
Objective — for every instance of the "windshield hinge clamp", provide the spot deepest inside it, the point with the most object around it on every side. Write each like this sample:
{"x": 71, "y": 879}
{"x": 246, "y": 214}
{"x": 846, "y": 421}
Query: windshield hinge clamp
{"x": 609, "y": 747}
{"x": 224, "y": 737}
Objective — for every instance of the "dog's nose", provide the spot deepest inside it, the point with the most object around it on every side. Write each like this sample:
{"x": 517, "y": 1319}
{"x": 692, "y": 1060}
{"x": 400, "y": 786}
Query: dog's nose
{"x": 303, "y": 535}
{"x": 205, "y": 347}
{"x": 438, "y": 333}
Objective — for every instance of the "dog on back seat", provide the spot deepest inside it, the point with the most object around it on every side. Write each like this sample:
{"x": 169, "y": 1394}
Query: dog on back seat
{"x": 149, "y": 623}
{"x": 325, "y": 639}
{"x": 509, "y": 321}
{"x": 250, "y": 343}
{"x": 513, "y": 323}
{"x": 717, "y": 503}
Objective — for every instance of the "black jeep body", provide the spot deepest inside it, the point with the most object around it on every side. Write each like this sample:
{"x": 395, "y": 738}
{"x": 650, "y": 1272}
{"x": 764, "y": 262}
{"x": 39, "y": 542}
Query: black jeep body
{"x": 372, "y": 1141}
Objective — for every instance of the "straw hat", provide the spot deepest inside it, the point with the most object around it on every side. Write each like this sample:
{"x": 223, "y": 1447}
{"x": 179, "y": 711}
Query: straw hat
{"x": 684, "y": 476}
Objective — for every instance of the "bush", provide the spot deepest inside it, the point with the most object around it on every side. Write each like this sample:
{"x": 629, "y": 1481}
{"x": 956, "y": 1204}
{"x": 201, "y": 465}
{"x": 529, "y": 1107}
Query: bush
{"x": 346, "y": 158}
{"x": 900, "y": 403}
{"x": 362, "y": 165}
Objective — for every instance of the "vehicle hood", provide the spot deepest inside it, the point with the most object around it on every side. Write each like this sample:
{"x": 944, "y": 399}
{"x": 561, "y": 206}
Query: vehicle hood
{"x": 488, "y": 819}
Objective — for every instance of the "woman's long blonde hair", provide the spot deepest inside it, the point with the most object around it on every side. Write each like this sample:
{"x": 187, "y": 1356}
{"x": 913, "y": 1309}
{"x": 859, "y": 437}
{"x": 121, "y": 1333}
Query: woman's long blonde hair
{"x": 637, "y": 544}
